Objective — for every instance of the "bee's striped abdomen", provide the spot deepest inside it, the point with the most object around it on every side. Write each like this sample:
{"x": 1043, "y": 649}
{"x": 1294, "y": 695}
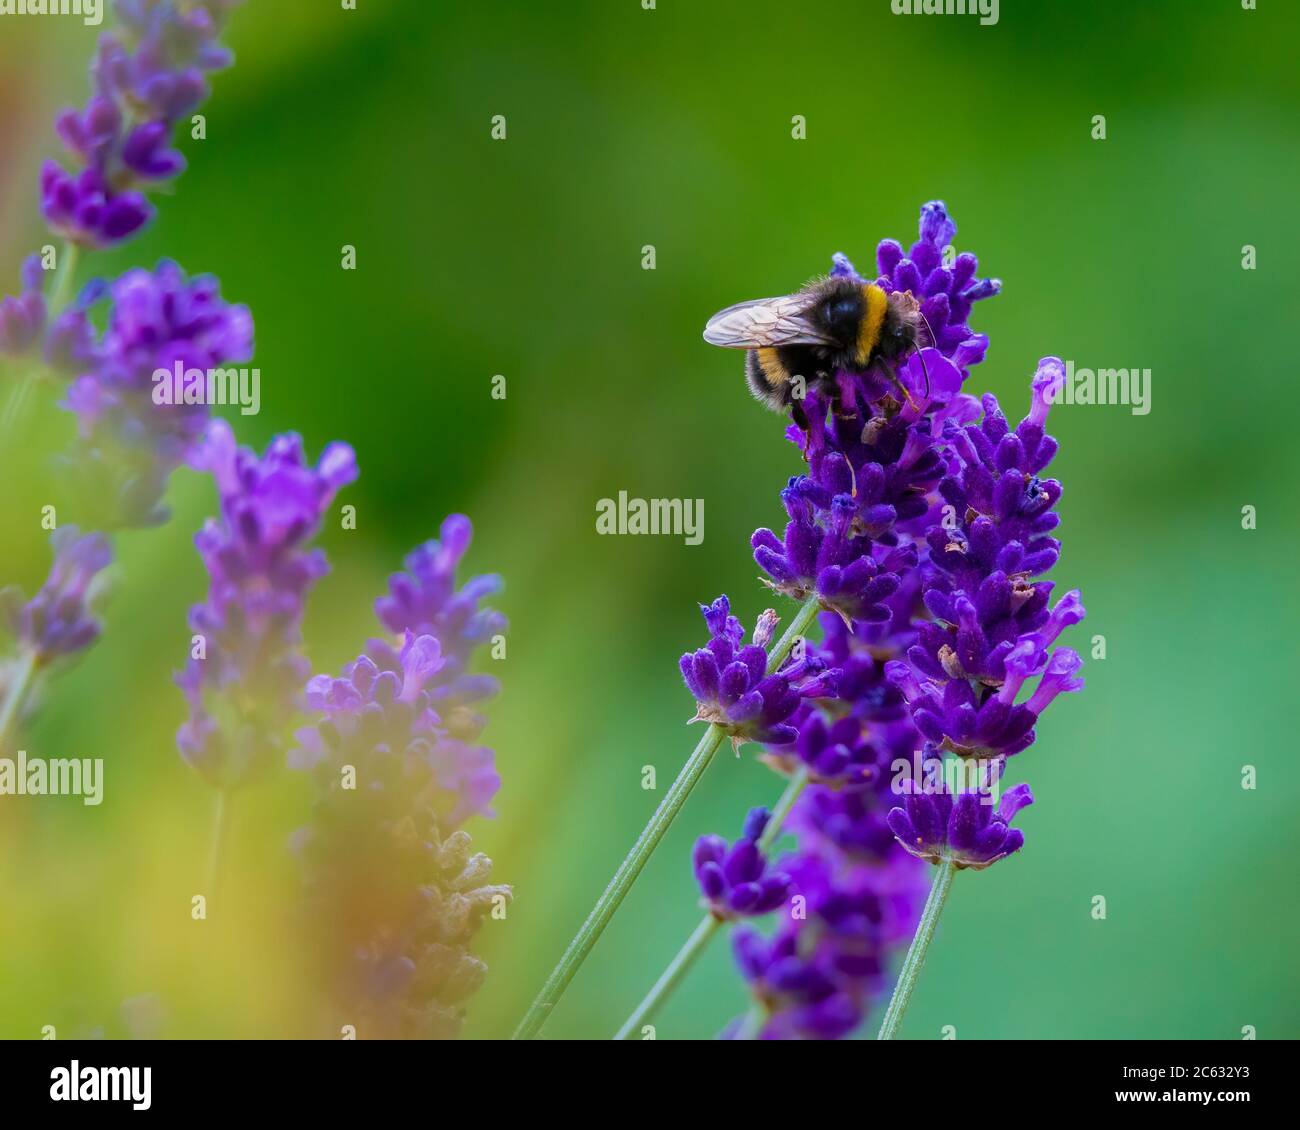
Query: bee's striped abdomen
{"x": 767, "y": 378}
{"x": 771, "y": 373}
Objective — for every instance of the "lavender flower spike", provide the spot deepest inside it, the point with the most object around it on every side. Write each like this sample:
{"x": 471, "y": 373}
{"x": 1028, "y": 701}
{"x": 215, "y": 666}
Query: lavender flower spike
{"x": 425, "y": 600}
{"x": 733, "y": 689}
{"x": 129, "y": 442}
{"x": 22, "y": 319}
{"x": 394, "y": 896}
{"x": 248, "y": 630}
{"x": 946, "y": 294}
{"x": 57, "y": 622}
{"x": 817, "y": 976}
{"x": 381, "y": 714}
{"x": 146, "y": 79}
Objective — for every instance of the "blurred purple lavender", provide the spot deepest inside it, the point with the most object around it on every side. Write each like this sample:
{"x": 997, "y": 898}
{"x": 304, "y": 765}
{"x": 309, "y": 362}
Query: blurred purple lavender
{"x": 817, "y": 975}
{"x": 147, "y": 76}
{"x": 246, "y": 684}
{"x": 425, "y": 600}
{"x": 22, "y": 319}
{"x": 393, "y": 894}
{"x": 128, "y": 441}
{"x": 57, "y": 621}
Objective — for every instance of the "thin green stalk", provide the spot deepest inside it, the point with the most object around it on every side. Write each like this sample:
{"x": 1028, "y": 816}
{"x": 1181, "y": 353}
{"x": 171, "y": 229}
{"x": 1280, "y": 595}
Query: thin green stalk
{"x": 631, "y": 867}
{"x": 671, "y": 977}
{"x": 16, "y": 694}
{"x": 704, "y": 933}
{"x": 752, "y": 1023}
{"x": 911, "y": 971}
{"x": 17, "y": 401}
{"x": 782, "y": 809}
{"x": 64, "y": 273}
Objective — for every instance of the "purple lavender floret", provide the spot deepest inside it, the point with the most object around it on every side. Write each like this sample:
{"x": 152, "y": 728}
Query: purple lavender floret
{"x": 798, "y": 986}
{"x": 851, "y": 741}
{"x": 145, "y": 80}
{"x": 869, "y": 478}
{"x": 822, "y": 553}
{"x": 22, "y": 318}
{"x": 732, "y": 688}
{"x": 172, "y": 38}
{"x": 87, "y": 210}
{"x": 425, "y": 600}
{"x": 939, "y": 825}
{"x": 382, "y": 711}
{"x": 130, "y": 436}
{"x": 984, "y": 722}
{"x": 71, "y": 343}
{"x": 860, "y": 651}
{"x": 841, "y": 752}
{"x": 248, "y": 683}
{"x": 57, "y": 621}
{"x": 848, "y": 822}
{"x": 818, "y": 974}
{"x": 738, "y": 880}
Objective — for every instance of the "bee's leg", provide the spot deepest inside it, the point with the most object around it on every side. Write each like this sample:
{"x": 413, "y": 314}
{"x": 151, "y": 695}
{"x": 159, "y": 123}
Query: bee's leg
{"x": 837, "y": 405}
{"x": 800, "y": 419}
{"x": 892, "y": 374}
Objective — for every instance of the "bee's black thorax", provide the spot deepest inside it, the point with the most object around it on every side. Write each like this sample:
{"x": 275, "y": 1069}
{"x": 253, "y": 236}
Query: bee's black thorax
{"x": 863, "y": 323}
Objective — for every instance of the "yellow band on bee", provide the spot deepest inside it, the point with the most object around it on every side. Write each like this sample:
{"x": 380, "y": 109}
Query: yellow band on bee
{"x": 874, "y": 317}
{"x": 770, "y": 362}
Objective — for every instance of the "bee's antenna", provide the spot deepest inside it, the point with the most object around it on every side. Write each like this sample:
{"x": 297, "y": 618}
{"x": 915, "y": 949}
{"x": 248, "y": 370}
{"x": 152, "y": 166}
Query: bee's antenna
{"x": 892, "y": 373}
{"x": 921, "y": 352}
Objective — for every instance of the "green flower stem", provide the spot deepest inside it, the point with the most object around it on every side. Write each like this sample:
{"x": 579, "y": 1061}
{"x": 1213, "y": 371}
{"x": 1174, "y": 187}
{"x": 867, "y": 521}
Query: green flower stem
{"x": 911, "y": 971}
{"x": 782, "y": 809}
{"x": 20, "y": 684}
{"x": 64, "y": 273}
{"x": 704, "y": 933}
{"x": 639, "y": 856}
{"x": 671, "y": 977}
{"x": 752, "y": 1023}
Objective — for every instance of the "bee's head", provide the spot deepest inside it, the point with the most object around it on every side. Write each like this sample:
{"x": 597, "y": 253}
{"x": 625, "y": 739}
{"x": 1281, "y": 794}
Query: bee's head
{"x": 901, "y": 331}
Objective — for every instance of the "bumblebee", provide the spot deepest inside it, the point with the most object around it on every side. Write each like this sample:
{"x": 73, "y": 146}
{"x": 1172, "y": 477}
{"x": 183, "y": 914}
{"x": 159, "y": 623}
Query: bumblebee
{"x": 801, "y": 340}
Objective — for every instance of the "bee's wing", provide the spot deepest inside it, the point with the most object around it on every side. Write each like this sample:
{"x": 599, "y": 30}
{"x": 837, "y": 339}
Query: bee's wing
{"x": 765, "y": 322}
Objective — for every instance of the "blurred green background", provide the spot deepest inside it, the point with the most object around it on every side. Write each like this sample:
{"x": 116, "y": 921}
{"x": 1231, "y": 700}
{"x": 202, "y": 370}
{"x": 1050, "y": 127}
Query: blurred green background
{"x": 671, "y": 127}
